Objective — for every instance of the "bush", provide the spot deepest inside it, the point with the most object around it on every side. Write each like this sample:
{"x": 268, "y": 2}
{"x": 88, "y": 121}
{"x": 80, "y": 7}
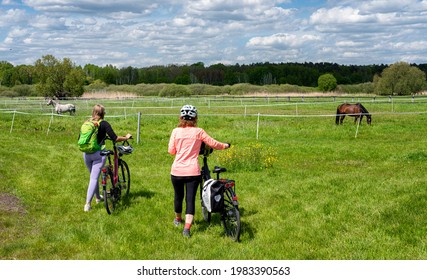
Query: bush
{"x": 327, "y": 82}
{"x": 148, "y": 89}
{"x": 359, "y": 88}
{"x": 96, "y": 86}
{"x": 286, "y": 88}
{"x": 253, "y": 157}
{"x": 173, "y": 90}
{"x": 204, "y": 89}
{"x": 24, "y": 90}
{"x": 8, "y": 93}
{"x": 240, "y": 89}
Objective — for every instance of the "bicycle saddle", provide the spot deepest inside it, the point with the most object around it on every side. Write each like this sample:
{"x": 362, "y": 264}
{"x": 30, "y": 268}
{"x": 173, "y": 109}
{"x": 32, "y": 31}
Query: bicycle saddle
{"x": 218, "y": 169}
{"x": 106, "y": 152}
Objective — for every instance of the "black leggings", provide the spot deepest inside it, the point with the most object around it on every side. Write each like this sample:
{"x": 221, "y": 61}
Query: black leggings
{"x": 191, "y": 183}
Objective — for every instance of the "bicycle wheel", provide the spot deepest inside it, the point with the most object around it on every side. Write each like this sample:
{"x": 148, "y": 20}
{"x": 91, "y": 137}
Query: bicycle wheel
{"x": 231, "y": 217}
{"x": 124, "y": 177}
{"x": 109, "y": 194}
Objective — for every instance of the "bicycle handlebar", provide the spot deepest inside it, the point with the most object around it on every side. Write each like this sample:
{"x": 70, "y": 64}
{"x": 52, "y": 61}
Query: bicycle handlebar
{"x": 205, "y": 150}
{"x": 124, "y": 149}
{"x": 125, "y": 141}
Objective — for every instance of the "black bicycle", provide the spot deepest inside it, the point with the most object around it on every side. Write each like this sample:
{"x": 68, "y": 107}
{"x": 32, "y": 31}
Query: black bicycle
{"x": 115, "y": 175}
{"x": 225, "y": 197}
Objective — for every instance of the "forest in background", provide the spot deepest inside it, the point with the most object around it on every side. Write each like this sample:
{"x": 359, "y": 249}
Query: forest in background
{"x": 65, "y": 79}
{"x": 301, "y": 74}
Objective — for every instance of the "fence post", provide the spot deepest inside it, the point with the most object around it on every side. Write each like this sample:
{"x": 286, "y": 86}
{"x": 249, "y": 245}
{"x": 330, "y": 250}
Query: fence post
{"x": 257, "y": 127}
{"x": 358, "y": 123}
{"x": 139, "y": 128}
{"x": 50, "y": 122}
{"x": 13, "y": 120}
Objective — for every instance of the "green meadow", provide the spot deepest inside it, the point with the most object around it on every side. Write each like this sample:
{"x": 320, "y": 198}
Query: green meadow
{"x": 308, "y": 189}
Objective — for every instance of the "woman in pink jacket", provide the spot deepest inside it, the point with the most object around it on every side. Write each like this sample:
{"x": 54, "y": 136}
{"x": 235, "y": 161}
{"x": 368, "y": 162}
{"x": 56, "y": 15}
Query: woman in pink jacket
{"x": 185, "y": 143}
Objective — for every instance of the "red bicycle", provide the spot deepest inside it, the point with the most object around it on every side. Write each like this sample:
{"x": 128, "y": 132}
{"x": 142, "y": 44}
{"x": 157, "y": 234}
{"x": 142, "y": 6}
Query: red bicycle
{"x": 115, "y": 175}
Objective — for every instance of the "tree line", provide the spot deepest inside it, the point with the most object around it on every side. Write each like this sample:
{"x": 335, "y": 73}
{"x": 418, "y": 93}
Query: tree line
{"x": 62, "y": 78}
{"x": 301, "y": 74}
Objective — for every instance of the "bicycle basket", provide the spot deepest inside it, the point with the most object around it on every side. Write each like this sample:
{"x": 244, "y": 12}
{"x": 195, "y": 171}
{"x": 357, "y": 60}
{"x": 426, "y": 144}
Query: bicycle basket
{"x": 125, "y": 150}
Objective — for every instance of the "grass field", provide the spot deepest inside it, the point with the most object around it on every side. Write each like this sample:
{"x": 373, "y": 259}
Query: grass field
{"x": 308, "y": 189}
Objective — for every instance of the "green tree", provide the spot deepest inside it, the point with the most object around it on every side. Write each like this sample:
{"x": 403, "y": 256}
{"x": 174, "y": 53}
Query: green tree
{"x": 59, "y": 78}
{"x": 327, "y": 82}
{"x": 110, "y": 74}
{"x": 74, "y": 82}
{"x": 400, "y": 78}
{"x": 6, "y": 70}
{"x": 24, "y": 74}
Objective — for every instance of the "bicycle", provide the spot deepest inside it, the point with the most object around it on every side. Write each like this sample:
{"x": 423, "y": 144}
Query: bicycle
{"x": 115, "y": 175}
{"x": 229, "y": 205}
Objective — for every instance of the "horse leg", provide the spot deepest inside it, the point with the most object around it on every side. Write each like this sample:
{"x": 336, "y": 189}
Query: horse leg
{"x": 342, "y": 119}
{"x": 337, "y": 118}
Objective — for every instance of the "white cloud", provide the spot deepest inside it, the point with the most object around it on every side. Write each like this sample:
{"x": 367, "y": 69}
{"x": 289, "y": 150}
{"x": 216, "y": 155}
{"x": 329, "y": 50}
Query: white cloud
{"x": 11, "y": 17}
{"x": 96, "y": 6}
{"x": 142, "y": 33}
{"x": 340, "y": 15}
{"x": 348, "y": 44}
{"x": 281, "y": 41}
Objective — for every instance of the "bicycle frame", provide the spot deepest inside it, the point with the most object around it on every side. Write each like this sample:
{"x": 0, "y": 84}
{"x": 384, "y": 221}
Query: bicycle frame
{"x": 116, "y": 170}
{"x": 116, "y": 160}
{"x": 116, "y": 164}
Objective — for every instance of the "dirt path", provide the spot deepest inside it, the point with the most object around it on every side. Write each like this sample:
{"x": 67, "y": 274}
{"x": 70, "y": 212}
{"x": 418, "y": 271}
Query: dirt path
{"x": 10, "y": 203}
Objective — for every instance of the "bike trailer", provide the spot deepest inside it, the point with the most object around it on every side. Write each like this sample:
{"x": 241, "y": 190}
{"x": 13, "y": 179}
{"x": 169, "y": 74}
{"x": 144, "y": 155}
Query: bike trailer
{"x": 213, "y": 195}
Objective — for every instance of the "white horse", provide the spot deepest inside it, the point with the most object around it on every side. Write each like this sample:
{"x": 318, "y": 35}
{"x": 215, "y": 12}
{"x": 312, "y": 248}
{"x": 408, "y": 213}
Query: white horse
{"x": 61, "y": 108}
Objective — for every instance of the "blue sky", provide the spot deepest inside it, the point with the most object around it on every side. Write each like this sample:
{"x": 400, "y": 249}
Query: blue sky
{"x": 142, "y": 33}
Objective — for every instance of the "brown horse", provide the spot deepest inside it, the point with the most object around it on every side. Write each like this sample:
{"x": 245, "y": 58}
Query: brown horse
{"x": 353, "y": 110}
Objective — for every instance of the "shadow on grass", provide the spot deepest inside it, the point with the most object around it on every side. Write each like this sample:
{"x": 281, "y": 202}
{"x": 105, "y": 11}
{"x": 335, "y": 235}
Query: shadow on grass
{"x": 126, "y": 201}
{"x": 246, "y": 230}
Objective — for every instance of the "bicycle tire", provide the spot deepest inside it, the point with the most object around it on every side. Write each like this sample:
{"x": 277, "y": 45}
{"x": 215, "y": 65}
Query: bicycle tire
{"x": 231, "y": 217}
{"x": 109, "y": 194}
{"x": 124, "y": 178}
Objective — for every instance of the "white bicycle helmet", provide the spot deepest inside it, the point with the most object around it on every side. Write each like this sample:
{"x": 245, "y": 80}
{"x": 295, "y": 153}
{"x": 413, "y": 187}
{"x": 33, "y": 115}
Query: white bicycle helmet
{"x": 188, "y": 112}
{"x": 125, "y": 150}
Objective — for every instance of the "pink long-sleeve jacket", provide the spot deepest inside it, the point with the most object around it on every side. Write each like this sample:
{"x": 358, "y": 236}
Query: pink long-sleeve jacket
{"x": 185, "y": 144}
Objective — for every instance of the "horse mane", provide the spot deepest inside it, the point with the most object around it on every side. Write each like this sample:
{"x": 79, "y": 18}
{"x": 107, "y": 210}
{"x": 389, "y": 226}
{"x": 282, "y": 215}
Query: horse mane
{"x": 363, "y": 109}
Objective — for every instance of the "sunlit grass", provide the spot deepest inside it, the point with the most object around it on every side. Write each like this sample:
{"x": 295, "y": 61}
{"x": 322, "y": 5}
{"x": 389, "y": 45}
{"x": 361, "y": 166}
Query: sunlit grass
{"x": 308, "y": 189}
